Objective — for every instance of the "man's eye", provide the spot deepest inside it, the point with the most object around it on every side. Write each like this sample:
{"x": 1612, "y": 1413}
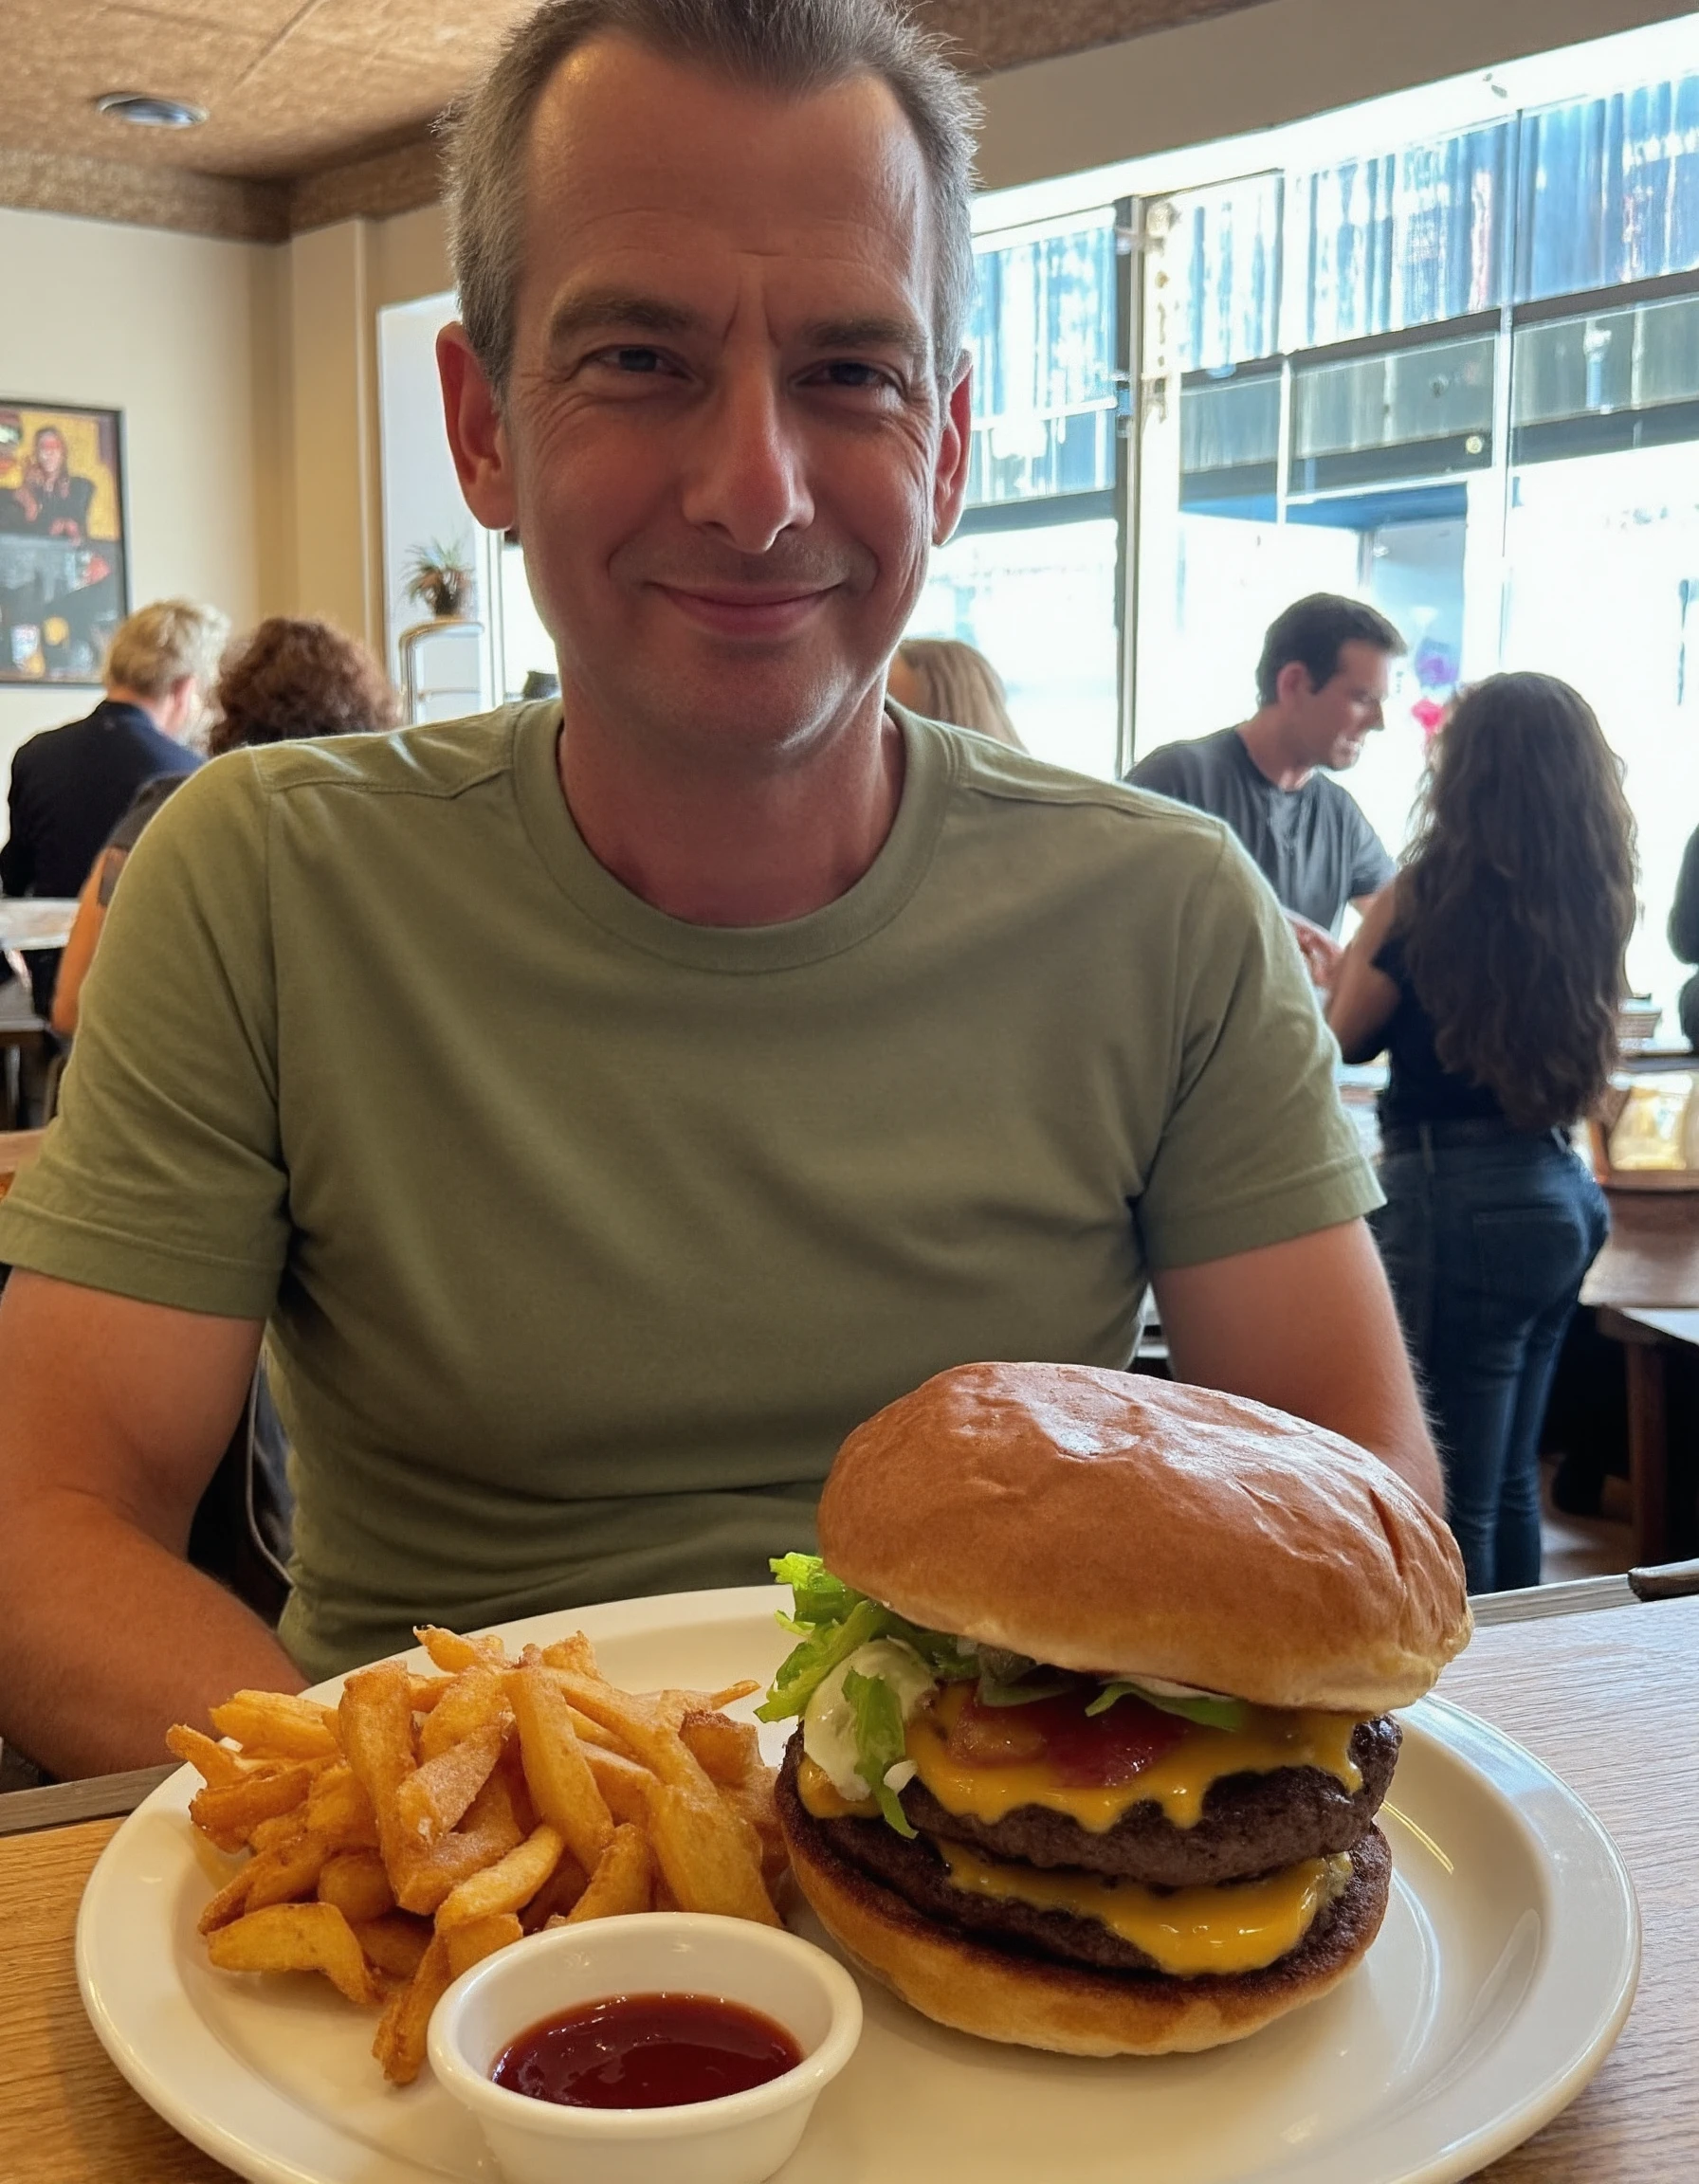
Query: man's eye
{"x": 633, "y": 358}
{"x": 849, "y": 372}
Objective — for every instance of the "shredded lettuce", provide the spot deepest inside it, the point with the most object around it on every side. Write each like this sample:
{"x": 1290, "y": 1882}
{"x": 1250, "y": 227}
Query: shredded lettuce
{"x": 832, "y": 1620}
{"x": 819, "y": 1597}
{"x": 809, "y": 1664}
{"x": 881, "y": 1741}
{"x": 1206, "y": 1713}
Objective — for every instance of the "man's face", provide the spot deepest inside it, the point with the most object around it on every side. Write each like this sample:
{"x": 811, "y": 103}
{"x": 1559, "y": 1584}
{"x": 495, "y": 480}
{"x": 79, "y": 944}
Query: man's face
{"x": 50, "y": 453}
{"x": 722, "y": 444}
{"x": 1331, "y": 722}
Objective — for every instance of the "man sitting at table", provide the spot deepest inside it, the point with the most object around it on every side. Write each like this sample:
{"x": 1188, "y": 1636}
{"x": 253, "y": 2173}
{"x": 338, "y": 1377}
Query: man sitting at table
{"x": 603, "y": 1105}
{"x": 71, "y": 786}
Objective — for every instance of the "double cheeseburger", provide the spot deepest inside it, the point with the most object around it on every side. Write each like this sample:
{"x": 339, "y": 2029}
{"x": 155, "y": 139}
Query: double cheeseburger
{"x": 1093, "y": 1679}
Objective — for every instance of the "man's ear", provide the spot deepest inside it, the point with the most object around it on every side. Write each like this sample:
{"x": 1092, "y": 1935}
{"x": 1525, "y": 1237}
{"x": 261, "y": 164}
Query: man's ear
{"x": 477, "y": 434}
{"x": 1292, "y": 684}
{"x": 955, "y": 447}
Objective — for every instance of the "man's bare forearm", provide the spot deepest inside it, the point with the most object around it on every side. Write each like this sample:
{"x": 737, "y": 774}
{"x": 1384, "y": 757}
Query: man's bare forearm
{"x": 106, "y": 1639}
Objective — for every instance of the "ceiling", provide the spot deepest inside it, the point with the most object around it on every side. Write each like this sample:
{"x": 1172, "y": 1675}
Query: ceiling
{"x": 320, "y": 108}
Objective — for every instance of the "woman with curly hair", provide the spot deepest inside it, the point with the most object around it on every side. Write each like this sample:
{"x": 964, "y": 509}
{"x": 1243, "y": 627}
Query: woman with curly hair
{"x": 1491, "y": 969}
{"x": 289, "y": 679}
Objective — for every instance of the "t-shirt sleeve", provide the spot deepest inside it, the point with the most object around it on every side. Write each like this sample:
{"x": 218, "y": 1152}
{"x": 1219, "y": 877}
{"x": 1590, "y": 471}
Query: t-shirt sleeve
{"x": 162, "y": 1178}
{"x": 1256, "y": 1148}
{"x": 1371, "y": 867}
{"x": 1164, "y": 772}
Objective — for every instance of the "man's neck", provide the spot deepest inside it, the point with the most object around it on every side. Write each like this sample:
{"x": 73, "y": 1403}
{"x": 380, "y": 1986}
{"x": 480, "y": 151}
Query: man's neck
{"x": 120, "y": 693}
{"x": 1265, "y": 736}
{"x": 730, "y": 844}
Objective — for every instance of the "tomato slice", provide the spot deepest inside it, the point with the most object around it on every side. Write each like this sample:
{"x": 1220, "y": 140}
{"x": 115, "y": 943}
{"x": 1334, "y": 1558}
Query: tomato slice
{"x": 1101, "y": 1750}
{"x": 1085, "y": 1750}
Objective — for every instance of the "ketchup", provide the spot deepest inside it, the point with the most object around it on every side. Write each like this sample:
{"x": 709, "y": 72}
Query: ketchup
{"x": 1084, "y": 1750}
{"x": 646, "y": 2051}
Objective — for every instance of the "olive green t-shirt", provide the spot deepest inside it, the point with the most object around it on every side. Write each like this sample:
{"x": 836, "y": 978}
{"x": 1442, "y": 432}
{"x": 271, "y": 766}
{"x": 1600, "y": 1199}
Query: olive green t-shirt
{"x": 584, "y": 1235}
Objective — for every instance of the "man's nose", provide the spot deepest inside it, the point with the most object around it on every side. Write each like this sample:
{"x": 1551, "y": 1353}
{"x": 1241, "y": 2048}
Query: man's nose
{"x": 748, "y": 481}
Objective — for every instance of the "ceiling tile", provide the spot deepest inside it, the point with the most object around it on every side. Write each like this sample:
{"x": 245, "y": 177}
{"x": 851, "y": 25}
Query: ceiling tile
{"x": 415, "y": 26}
{"x": 247, "y": 18}
{"x": 52, "y": 81}
{"x": 306, "y": 105}
{"x": 294, "y": 88}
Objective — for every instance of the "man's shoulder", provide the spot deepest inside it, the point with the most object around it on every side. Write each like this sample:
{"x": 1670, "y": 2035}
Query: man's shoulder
{"x": 1117, "y": 813}
{"x": 1195, "y": 763}
{"x": 436, "y": 759}
{"x": 255, "y": 791}
{"x": 47, "y": 744}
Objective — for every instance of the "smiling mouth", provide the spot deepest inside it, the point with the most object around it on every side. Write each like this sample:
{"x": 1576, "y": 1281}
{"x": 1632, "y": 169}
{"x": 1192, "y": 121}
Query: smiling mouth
{"x": 745, "y": 614}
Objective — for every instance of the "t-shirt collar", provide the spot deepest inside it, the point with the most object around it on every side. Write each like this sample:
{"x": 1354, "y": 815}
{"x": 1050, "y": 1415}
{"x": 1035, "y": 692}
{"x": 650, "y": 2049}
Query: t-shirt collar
{"x": 901, "y": 864}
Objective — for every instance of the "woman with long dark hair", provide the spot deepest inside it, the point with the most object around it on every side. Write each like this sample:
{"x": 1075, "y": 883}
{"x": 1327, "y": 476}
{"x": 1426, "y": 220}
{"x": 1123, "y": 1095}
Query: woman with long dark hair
{"x": 1491, "y": 969}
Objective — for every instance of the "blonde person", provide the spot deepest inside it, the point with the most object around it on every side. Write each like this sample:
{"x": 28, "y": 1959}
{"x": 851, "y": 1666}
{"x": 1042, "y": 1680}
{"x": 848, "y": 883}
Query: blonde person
{"x": 290, "y": 678}
{"x": 70, "y": 786}
{"x": 947, "y": 679}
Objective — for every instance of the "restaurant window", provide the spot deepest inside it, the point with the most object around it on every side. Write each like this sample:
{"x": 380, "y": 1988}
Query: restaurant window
{"x": 1031, "y": 575}
{"x": 1406, "y": 238}
{"x": 1459, "y": 379}
{"x": 1609, "y": 191}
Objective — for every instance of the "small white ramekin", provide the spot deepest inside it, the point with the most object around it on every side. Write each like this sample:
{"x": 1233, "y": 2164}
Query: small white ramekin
{"x": 739, "y": 2140}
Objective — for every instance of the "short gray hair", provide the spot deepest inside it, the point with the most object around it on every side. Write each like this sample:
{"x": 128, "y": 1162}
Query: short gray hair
{"x": 158, "y": 646}
{"x": 793, "y": 46}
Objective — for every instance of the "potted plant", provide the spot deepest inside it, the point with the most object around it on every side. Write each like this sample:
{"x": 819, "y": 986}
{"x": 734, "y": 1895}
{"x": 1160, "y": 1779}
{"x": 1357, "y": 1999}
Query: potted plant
{"x": 439, "y": 578}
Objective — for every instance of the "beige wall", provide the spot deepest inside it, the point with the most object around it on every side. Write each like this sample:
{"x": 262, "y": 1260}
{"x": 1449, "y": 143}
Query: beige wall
{"x": 246, "y": 376}
{"x": 172, "y": 331}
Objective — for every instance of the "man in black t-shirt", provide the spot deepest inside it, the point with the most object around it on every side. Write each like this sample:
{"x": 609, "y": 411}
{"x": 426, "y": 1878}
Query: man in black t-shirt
{"x": 1320, "y": 685}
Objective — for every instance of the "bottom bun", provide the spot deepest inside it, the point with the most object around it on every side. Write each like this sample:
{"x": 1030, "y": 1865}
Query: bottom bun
{"x": 1038, "y": 2002}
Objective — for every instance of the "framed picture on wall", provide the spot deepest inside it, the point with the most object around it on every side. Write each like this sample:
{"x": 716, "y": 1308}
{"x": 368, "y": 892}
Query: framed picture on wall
{"x": 64, "y": 574}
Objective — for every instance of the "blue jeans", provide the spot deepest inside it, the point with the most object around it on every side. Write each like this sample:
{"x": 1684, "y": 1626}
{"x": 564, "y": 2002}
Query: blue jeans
{"x": 1486, "y": 1244}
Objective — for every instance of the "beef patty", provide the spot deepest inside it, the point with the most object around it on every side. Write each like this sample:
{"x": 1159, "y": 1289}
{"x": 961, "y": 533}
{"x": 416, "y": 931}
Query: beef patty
{"x": 915, "y": 1870}
{"x": 1249, "y": 1825}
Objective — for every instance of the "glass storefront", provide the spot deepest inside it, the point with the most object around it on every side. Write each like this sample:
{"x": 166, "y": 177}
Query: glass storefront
{"x": 1031, "y": 575}
{"x": 1460, "y": 380}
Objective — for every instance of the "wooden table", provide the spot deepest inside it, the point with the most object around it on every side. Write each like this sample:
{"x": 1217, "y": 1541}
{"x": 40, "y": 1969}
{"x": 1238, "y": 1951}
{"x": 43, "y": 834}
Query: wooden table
{"x": 1645, "y": 1286}
{"x": 1605, "y": 1698}
{"x": 1651, "y": 1254}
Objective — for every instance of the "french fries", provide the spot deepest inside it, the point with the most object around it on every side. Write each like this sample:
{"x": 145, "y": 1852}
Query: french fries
{"x": 623, "y": 1881}
{"x": 397, "y": 1838}
{"x": 297, "y": 1938}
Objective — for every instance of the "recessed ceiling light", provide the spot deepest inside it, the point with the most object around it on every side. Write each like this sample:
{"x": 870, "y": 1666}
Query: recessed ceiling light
{"x": 148, "y": 111}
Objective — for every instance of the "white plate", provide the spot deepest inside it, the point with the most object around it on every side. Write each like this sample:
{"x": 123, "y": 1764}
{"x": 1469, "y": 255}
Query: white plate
{"x": 1502, "y": 1975}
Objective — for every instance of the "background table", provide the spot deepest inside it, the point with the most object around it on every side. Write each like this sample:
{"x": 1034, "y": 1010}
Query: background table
{"x": 1645, "y": 1286}
{"x": 36, "y": 921}
{"x": 1602, "y": 1697}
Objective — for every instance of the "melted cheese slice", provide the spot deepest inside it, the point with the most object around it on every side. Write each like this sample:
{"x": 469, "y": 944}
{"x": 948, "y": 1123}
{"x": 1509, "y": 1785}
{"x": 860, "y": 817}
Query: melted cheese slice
{"x": 1239, "y": 1927}
{"x": 821, "y": 1796}
{"x": 1177, "y": 1782}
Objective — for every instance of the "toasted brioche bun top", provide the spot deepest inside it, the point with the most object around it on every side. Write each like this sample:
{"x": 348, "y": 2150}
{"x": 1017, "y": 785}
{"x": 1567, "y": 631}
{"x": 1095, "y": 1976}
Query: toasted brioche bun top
{"x": 1125, "y": 1525}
